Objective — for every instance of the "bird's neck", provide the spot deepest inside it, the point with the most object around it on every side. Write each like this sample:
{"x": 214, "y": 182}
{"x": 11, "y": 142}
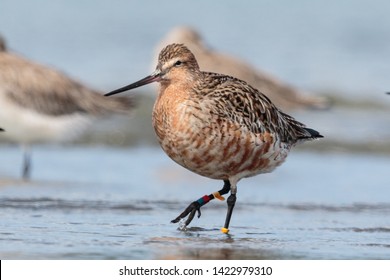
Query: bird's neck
{"x": 173, "y": 92}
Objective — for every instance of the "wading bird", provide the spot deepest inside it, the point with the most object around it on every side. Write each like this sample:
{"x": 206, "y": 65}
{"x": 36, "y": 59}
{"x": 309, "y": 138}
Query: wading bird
{"x": 217, "y": 126}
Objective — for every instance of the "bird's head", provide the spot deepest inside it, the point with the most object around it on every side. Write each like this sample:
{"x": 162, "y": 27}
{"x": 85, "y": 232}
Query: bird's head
{"x": 175, "y": 63}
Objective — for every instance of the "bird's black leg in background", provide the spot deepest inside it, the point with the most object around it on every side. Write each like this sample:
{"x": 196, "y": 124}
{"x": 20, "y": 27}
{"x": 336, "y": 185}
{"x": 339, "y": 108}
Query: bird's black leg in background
{"x": 26, "y": 163}
{"x": 195, "y": 206}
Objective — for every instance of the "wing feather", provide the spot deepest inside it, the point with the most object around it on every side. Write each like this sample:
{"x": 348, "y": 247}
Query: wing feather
{"x": 237, "y": 101}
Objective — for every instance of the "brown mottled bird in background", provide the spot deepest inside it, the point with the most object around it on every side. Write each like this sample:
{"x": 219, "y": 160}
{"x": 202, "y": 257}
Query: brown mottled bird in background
{"x": 217, "y": 126}
{"x": 39, "y": 104}
{"x": 282, "y": 94}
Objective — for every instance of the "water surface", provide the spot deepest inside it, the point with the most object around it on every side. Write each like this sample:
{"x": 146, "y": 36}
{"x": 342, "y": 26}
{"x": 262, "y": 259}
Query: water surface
{"x": 105, "y": 203}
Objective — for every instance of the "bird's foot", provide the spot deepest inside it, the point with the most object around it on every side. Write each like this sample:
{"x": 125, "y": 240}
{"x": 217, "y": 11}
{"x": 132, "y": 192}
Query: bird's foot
{"x": 192, "y": 209}
{"x": 190, "y": 212}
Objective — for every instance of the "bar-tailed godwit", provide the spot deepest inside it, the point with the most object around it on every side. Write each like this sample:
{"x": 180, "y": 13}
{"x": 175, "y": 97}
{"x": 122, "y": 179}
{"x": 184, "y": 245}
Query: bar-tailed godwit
{"x": 39, "y": 104}
{"x": 282, "y": 94}
{"x": 217, "y": 126}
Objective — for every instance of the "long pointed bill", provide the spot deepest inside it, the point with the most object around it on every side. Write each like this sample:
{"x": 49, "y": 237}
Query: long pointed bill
{"x": 154, "y": 77}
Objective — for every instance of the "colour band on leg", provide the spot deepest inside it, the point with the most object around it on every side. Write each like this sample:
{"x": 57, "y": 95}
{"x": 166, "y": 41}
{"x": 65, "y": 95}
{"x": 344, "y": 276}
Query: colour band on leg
{"x": 203, "y": 200}
{"x": 217, "y": 195}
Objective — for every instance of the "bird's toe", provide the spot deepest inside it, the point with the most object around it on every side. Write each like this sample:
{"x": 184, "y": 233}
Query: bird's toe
{"x": 190, "y": 212}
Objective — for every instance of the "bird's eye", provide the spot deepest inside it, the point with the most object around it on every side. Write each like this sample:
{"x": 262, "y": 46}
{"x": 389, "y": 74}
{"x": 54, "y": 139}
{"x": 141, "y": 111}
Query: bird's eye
{"x": 178, "y": 63}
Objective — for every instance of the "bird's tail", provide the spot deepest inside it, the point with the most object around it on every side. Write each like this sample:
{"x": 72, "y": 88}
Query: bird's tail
{"x": 311, "y": 134}
{"x": 99, "y": 105}
{"x": 120, "y": 104}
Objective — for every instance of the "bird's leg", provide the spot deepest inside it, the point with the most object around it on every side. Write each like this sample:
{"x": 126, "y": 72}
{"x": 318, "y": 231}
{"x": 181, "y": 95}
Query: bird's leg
{"x": 26, "y": 163}
{"x": 231, "y": 201}
{"x": 195, "y": 206}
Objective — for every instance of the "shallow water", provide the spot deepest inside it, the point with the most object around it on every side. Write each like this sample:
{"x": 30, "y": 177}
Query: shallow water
{"x": 105, "y": 203}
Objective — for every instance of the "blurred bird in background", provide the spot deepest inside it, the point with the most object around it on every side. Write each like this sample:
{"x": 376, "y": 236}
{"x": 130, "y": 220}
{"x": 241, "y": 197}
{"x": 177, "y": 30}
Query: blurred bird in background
{"x": 282, "y": 95}
{"x": 39, "y": 104}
